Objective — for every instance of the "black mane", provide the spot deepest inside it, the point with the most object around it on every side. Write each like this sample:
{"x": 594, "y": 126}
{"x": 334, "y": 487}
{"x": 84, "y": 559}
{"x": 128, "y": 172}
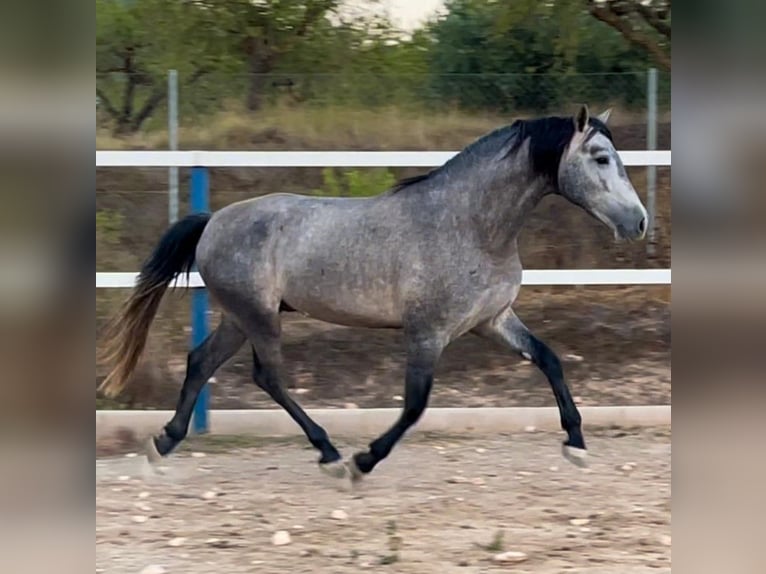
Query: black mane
{"x": 408, "y": 181}
{"x": 548, "y": 137}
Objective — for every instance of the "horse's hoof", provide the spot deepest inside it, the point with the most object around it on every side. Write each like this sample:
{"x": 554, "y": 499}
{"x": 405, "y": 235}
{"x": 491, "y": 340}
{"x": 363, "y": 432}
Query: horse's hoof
{"x": 353, "y": 470}
{"x": 152, "y": 454}
{"x": 153, "y": 465}
{"x": 577, "y": 456}
{"x": 336, "y": 469}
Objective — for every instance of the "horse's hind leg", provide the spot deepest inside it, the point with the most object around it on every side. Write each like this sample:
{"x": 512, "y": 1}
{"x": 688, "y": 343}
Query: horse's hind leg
{"x": 202, "y": 362}
{"x": 264, "y": 334}
{"x": 508, "y": 330}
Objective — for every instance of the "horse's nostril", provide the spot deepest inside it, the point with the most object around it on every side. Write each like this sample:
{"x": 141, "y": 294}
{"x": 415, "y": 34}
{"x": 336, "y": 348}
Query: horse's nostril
{"x": 642, "y": 225}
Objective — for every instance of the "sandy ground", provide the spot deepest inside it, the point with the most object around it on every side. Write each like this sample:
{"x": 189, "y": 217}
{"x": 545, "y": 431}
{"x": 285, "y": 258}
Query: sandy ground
{"x": 437, "y": 505}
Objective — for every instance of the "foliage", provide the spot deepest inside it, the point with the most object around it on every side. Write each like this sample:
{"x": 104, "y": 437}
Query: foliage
{"x": 355, "y": 183}
{"x": 137, "y": 41}
{"x": 108, "y": 227}
{"x": 496, "y": 545}
{"x": 480, "y": 56}
{"x": 527, "y": 55}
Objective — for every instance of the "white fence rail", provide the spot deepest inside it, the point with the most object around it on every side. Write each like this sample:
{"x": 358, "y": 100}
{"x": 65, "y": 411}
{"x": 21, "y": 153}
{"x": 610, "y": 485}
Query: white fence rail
{"x": 530, "y": 277}
{"x": 121, "y": 158}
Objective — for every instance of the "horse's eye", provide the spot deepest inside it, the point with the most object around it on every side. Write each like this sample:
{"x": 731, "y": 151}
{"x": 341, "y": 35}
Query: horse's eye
{"x": 603, "y": 160}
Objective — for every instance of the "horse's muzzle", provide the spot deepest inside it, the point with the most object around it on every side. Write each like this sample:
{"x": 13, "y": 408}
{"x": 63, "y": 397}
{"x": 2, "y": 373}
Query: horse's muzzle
{"x": 631, "y": 226}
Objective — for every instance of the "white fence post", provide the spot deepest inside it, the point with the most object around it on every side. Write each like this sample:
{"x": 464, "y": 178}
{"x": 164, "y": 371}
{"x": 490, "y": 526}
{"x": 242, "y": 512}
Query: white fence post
{"x": 173, "y": 144}
{"x": 651, "y": 144}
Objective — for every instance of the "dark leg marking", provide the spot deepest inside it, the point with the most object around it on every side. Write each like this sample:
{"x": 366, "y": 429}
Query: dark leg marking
{"x": 202, "y": 362}
{"x": 284, "y": 307}
{"x": 266, "y": 376}
{"x": 509, "y": 331}
{"x": 421, "y": 363}
{"x": 550, "y": 365}
{"x": 264, "y": 331}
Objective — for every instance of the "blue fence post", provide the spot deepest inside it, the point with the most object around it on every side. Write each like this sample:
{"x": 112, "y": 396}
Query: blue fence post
{"x": 199, "y": 203}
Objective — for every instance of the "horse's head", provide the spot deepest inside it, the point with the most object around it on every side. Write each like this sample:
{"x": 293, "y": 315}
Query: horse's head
{"x": 592, "y": 176}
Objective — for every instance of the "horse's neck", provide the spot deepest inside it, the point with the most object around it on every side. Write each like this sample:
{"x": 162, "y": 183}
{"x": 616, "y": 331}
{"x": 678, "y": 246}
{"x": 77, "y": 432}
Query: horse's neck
{"x": 497, "y": 208}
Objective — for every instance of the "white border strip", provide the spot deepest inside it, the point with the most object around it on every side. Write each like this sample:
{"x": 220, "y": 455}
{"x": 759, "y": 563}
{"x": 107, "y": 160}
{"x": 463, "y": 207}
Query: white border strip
{"x": 161, "y": 158}
{"x": 276, "y": 423}
{"x": 529, "y": 277}
{"x": 124, "y": 280}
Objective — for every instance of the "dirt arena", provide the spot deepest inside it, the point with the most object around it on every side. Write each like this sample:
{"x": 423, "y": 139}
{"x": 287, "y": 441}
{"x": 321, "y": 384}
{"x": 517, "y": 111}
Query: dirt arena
{"x": 437, "y": 505}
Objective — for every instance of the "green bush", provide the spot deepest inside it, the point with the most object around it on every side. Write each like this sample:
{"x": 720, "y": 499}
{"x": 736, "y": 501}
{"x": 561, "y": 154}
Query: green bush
{"x": 355, "y": 183}
{"x": 108, "y": 227}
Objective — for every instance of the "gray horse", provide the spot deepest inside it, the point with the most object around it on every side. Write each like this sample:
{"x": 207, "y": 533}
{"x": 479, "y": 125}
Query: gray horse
{"x": 435, "y": 256}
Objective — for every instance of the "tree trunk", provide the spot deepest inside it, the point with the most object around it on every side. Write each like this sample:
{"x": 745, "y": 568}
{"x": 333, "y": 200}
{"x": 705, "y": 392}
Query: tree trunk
{"x": 126, "y": 114}
{"x": 254, "y": 92}
{"x": 128, "y": 120}
{"x": 259, "y": 64}
{"x": 157, "y": 97}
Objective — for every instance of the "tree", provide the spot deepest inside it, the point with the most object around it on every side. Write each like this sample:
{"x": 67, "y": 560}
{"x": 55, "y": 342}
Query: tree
{"x": 243, "y": 49}
{"x": 643, "y": 23}
{"x": 138, "y": 41}
{"x": 267, "y": 31}
{"x": 526, "y": 55}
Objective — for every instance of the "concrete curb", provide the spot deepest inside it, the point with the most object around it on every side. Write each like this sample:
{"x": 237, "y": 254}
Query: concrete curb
{"x": 371, "y": 422}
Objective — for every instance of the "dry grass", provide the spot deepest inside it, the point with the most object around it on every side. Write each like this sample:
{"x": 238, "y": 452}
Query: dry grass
{"x": 321, "y": 127}
{"x": 329, "y": 127}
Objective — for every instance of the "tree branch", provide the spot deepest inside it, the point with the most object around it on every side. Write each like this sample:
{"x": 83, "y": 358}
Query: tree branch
{"x": 127, "y": 97}
{"x": 148, "y": 108}
{"x": 155, "y": 100}
{"x": 112, "y": 70}
{"x": 653, "y": 19}
{"x": 603, "y": 13}
{"x": 196, "y": 76}
{"x": 314, "y": 11}
{"x": 107, "y": 103}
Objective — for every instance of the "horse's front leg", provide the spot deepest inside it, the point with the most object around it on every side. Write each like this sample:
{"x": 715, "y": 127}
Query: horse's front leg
{"x": 508, "y": 330}
{"x": 422, "y": 355}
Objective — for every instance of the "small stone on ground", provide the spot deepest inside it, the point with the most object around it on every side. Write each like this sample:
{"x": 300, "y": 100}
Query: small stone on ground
{"x": 281, "y": 538}
{"x": 510, "y": 556}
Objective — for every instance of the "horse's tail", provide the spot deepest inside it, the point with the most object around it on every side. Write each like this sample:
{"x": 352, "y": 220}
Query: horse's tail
{"x": 126, "y": 334}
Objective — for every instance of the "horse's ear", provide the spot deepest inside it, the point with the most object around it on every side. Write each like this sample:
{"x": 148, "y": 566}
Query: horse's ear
{"x": 581, "y": 120}
{"x": 604, "y": 116}
{"x": 581, "y": 127}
